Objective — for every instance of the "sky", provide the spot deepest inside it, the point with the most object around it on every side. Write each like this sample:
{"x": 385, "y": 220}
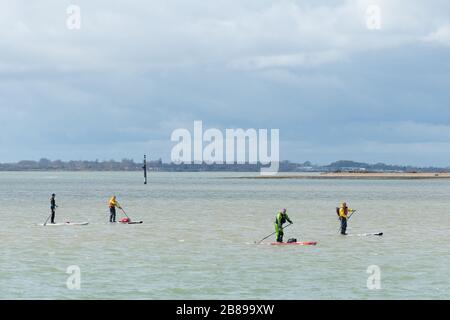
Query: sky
{"x": 335, "y": 86}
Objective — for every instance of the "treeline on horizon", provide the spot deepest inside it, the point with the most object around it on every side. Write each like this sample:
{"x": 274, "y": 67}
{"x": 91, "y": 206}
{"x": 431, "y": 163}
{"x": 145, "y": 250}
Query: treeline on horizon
{"x": 159, "y": 165}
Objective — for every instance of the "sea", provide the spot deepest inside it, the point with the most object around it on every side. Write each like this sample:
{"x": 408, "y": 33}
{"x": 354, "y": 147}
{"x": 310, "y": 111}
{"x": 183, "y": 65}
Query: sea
{"x": 200, "y": 237}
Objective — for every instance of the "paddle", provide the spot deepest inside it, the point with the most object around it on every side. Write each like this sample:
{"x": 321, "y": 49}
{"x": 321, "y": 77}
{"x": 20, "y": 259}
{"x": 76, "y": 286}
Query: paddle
{"x": 348, "y": 218}
{"x": 124, "y": 213}
{"x": 273, "y": 234}
{"x": 45, "y": 223}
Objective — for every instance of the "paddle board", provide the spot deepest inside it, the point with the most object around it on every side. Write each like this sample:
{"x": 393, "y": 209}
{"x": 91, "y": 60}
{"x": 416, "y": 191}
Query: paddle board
{"x": 365, "y": 234}
{"x": 68, "y": 223}
{"x": 309, "y": 243}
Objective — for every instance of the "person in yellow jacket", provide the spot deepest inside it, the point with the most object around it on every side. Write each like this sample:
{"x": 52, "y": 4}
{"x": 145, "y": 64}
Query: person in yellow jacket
{"x": 112, "y": 208}
{"x": 343, "y": 216}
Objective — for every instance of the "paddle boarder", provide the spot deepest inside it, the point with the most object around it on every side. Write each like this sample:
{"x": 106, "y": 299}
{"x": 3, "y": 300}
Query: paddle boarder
{"x": 112, "y": 208}
{"x": 280, "y": 219}
{"x": 343, "y": 216}
{"x": 53, "y": 207}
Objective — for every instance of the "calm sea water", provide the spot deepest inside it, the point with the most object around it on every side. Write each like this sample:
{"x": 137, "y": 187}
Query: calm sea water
{"x": 197, "y": 240}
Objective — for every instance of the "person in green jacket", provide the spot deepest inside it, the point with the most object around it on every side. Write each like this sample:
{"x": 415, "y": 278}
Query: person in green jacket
{"x": 280, "y": 219}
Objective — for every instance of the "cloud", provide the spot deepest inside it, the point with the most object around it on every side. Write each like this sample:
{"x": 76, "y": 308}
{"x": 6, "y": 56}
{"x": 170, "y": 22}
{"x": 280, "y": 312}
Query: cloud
{"x": 313, "y": 59}
{"x": 175, "y": 34}
{"x": 135, "y": 72}
{"x": 441, "y": 36}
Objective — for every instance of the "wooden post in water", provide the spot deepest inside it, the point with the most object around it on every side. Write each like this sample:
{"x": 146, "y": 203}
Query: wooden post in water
{"x": 145, "y": 169}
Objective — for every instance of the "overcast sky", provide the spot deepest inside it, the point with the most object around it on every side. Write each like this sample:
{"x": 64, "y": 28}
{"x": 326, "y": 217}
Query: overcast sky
{"x": 137, "y": 70}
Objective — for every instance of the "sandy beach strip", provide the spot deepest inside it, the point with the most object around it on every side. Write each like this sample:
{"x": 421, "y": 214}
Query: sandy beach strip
{"x": 356, "y": 176}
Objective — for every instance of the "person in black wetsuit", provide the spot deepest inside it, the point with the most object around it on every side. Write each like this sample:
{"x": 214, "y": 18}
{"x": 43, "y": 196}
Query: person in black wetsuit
{"x": 53, "y": 207}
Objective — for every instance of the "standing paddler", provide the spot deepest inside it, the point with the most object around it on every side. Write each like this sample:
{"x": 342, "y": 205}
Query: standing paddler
{"x": 343, "y": 216}
{"x": 280, "y": 219}
{"x": 53, "y": 207}
{"x": 112, "y": 208}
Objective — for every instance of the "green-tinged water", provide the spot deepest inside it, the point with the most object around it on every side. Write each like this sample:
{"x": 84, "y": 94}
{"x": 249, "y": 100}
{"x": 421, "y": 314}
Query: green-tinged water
{"x": 197, "y": 240}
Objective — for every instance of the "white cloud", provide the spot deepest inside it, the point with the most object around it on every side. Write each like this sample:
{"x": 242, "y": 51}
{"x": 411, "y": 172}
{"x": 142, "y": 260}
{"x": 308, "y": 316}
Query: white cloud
{"x": 248, "y": 34}
{"x": 440, "y": 36}
{"x": 311, "y": 59}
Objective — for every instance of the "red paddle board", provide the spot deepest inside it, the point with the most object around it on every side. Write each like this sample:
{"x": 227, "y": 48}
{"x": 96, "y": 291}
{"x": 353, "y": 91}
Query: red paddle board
{"x": 310, "y": 243}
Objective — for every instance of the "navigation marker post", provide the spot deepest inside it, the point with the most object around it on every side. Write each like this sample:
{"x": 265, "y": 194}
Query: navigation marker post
{"x": 145, "y": 169}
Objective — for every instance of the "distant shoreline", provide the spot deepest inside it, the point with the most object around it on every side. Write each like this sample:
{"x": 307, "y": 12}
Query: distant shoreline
{"x": 284, "y": 166}
{"x": 358, "y": 176}
{"x": 282, "y": 175}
